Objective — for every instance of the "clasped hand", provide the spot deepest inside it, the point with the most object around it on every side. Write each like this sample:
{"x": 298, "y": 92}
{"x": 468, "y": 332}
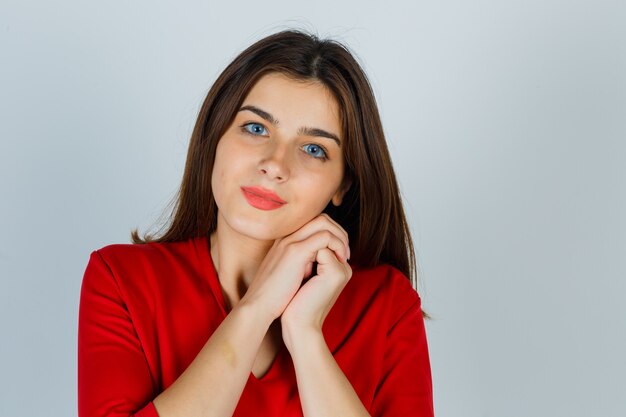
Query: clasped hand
{"x": 278, "y": 287}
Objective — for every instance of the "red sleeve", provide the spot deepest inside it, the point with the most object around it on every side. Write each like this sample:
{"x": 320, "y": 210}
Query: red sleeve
{"x": 405, "y": 389}
{"x": 113, "y": 375}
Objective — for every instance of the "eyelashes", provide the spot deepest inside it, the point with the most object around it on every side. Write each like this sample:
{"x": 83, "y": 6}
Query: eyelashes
{"x": 245, "y": 128}
{"x": 257, "y": 129}
{"x": 319, "y": 148}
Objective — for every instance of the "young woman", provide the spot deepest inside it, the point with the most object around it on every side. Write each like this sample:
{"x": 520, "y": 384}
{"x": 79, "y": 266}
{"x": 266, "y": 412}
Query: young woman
{"x": 282, "y": 284}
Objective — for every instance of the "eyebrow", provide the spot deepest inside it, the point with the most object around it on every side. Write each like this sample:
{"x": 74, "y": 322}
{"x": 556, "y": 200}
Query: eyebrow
{"x": 304, "y": 130}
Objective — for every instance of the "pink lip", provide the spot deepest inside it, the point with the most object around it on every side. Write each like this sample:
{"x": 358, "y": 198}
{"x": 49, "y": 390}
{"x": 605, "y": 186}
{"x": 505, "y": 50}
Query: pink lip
{"x": 262, "y": 198}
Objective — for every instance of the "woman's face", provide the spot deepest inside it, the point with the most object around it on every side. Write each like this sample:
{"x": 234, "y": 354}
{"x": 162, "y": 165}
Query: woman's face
{"x": 280, "y": 141}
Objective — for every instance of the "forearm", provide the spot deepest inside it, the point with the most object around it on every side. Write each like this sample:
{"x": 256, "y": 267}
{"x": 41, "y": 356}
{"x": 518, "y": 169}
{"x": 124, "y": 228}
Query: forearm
{"x": 323, "y": 388}
{"x": 212, "y": 384}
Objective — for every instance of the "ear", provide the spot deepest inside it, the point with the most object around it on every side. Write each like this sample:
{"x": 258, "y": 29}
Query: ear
{"x": 338, "y": 197}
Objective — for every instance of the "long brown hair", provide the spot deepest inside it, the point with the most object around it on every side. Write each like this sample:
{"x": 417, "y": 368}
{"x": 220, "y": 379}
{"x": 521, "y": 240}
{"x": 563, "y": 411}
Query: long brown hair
{"x": 371, "y": 211}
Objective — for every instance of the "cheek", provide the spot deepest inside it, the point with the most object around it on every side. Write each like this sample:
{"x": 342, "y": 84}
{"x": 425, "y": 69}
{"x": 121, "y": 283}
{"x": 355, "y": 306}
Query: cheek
{"x": 218, "y": 175}
{"x": 224, "y": 161}
{"x": 317, "y": 194}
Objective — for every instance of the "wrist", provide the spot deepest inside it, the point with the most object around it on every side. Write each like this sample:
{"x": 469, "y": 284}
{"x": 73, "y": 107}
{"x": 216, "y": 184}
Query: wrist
{"x": 299, "y": 337}
{"x": 252, "y": 309}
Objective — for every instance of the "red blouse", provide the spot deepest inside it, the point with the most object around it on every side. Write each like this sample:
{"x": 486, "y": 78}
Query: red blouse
{"x": 147, "y": 310}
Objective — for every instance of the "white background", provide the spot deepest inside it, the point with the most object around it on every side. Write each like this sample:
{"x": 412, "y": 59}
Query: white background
{"x": 506, "y": 121}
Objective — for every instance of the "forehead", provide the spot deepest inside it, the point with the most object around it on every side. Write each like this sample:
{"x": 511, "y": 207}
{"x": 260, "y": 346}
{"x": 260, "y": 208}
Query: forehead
{"x": 296, "y": 102}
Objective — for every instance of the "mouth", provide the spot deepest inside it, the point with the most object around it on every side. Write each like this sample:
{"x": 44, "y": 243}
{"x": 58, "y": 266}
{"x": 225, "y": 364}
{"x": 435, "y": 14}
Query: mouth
{"x": 261, "y": 200}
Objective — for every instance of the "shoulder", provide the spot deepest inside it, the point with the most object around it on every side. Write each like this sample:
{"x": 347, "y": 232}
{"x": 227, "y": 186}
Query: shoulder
{"x": 143, "y": 274}
{"x": 375, "y": 298}
{"x": 389, "y": 285}
{"x": 141, "y": 255}
{"x": 135, "y": 263}
{"x": 384, "y": 275}
{"x": 121, "y": 251}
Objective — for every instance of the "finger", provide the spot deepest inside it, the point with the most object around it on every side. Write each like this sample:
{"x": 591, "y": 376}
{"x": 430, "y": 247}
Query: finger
{"x": 327, "y": 257}
{"x": 344, "y": 272}
{"x": 321, "y": 222}
{"x": 308, "y": 270}
{"x": 319, "y": 240}
{"x": 333, "y": 221}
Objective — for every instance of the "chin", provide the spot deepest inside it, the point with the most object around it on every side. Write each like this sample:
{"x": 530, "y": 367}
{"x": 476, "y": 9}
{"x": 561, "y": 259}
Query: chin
{"x": 256, "y": 229}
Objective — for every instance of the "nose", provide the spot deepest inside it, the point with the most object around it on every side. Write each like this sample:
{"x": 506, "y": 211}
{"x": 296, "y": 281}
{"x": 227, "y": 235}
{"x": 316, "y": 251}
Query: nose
{"x": 276, "y": 164}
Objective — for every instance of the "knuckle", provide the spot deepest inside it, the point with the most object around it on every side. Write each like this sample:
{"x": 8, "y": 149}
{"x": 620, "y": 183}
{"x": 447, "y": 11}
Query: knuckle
{"x": 327, "y": 219}
{"x": 290, "y": 247}
{"x": 325, "y": 233}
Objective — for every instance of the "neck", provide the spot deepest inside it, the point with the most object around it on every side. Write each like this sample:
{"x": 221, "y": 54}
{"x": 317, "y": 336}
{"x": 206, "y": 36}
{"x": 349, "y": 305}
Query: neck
{"x": 236, "y": 259}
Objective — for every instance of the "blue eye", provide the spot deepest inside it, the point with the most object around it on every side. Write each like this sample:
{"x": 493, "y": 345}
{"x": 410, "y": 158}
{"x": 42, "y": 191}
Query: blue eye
{"x": 255, "y": 128}
{"x": 316, "y": 151}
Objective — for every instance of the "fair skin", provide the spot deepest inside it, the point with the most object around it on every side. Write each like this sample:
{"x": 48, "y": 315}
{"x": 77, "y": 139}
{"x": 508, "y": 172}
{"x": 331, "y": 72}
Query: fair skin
{"x": 263, "y": 256}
